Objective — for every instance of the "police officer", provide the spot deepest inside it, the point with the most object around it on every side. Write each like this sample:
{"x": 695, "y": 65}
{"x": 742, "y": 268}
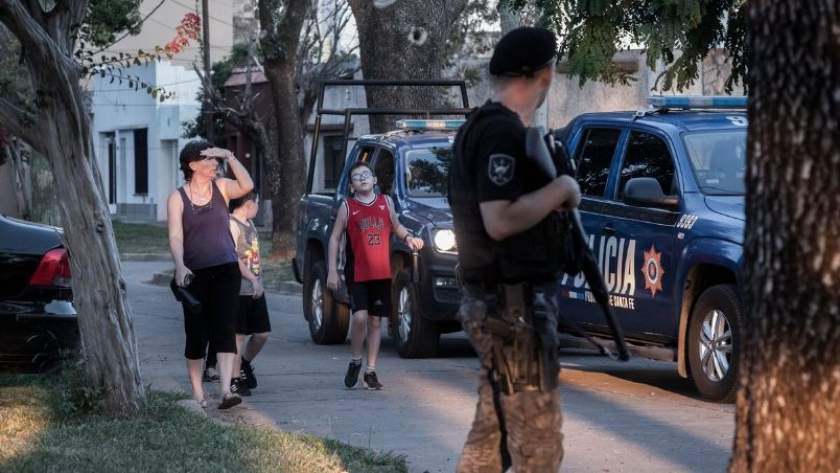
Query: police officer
{"x": 506, "y": 223}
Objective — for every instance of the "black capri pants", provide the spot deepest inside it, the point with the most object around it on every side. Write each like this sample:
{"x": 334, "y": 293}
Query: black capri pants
{"x": 217, "y": 287}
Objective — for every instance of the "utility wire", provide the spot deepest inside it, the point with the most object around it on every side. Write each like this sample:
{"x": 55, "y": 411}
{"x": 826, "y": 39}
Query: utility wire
{"x": 138, "y": 24}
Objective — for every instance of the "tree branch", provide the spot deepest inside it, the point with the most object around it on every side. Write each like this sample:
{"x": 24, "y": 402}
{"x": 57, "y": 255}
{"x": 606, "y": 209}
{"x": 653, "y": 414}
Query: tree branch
{"x": 31, "y": 32}
{"x": 14, "y": 119}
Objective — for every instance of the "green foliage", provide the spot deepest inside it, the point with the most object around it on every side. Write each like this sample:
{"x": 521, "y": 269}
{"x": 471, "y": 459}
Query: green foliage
{"x": 680, "y": 33}
{"x": 76, "y": 396}
{"x": 107, "y": 18}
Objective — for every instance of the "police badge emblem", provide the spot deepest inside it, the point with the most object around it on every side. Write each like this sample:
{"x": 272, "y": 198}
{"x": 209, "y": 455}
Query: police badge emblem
{"x": 500, "y": 169}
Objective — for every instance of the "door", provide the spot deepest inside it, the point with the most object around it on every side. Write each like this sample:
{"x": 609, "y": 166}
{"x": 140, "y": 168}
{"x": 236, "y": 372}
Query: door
{"x": 594, "y": 157}
{"x": 112, "y": 170}
{"x": 636, "y": 245}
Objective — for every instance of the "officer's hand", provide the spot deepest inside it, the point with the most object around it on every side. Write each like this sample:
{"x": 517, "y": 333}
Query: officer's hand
{"x": 570, "y": 190}
{"x": 332, "y": 280}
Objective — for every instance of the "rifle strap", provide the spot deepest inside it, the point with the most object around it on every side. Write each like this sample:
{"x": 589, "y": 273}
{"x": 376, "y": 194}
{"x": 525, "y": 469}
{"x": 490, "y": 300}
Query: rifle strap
{"x": 492, "y": 377}
{"x": 579, "y": 331}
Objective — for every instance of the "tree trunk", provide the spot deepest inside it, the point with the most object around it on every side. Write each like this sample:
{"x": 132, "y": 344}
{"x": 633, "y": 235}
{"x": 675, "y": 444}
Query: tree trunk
{"x": 788, "y": 406}
{"x": 403, "y": 40}
{"x": 509, "y": 18}
{"x": 286, "y": 169}
{"x": 61, "y": 132}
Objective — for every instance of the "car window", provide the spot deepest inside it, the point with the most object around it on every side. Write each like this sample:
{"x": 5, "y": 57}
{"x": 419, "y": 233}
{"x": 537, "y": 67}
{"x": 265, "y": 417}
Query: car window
{"x": 647, "y": 155}
{"x": 383, "y": 168}
{"x": 427, "y": 171}
{"x": 594, "y": 158}
{"x": 718, "y": 160}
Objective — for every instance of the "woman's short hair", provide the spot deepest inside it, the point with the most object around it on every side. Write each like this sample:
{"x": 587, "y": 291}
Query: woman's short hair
{"x": 192, "y": 152}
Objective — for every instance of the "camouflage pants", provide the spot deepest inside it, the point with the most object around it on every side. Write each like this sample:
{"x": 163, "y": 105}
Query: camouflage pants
{"x": 532, "y": 419}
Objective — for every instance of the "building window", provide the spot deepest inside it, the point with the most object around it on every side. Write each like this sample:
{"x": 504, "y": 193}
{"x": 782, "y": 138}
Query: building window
{"x": 141, "y": 161}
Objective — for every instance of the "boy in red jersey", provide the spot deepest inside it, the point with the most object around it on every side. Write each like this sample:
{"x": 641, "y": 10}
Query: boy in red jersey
{"x": 368, "y": 218}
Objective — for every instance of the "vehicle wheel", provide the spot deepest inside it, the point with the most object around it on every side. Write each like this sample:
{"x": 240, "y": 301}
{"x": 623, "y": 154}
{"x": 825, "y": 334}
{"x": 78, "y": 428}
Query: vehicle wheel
{"x": 328, "y": 319}
{"x": 416, "y": 337}
{"x": 714, "y": 343}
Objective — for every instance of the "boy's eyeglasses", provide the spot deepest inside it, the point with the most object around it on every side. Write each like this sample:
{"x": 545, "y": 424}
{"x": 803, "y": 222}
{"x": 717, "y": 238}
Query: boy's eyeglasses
{"x": 361, "y": 177}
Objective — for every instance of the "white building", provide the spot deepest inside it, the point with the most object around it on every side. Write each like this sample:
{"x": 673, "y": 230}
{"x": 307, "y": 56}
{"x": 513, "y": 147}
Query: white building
{"x": 137, "y": 138}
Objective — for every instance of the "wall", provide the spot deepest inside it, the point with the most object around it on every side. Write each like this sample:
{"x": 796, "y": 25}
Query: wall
{"x": 118, "y": 110}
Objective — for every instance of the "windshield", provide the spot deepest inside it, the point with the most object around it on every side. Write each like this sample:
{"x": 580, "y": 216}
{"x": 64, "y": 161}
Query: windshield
{"x": 719, "y": 161}
{"x": 427, "y": 171}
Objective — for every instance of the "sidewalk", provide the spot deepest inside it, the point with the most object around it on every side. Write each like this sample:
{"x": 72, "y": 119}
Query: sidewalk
{"x": 633, "y": 417}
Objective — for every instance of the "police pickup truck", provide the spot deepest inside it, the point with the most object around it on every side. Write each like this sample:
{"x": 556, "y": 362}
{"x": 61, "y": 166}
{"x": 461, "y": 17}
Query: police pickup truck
{"x": 663, "y": 205}
{"x": 411, "y": 164}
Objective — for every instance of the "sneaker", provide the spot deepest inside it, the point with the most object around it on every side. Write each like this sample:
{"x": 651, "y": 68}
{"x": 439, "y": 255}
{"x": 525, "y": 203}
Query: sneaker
{"x": 247, "y": 376}
{"x": 371, "y": 381}
{"x": 237, "y": 386}
{"x": 352, "y": 376}
{"x": 211, "y": 375}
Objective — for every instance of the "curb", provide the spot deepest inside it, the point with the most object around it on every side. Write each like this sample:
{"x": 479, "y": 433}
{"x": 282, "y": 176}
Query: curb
{"x": 162, "y": 278}
{"x": 145, "y": 257}
{"x": 193, "y": 406}
{"x": 291, "y": 288}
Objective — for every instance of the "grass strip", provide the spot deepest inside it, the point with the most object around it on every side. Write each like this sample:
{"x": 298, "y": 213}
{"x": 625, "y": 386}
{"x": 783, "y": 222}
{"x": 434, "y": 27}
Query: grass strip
{"x": 39, "y": 433}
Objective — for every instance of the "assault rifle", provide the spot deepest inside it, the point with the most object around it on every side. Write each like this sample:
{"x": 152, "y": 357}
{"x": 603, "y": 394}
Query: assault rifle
{"x": 548, "y": 155}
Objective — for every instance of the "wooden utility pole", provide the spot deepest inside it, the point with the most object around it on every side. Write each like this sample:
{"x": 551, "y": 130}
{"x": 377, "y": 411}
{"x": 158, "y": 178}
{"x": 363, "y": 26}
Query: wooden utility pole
{"x": 205, "y": 45}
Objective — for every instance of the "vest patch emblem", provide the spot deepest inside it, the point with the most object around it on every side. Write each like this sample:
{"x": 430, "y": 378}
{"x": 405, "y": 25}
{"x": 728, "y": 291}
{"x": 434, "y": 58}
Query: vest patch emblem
{"x": 500, "y": 168}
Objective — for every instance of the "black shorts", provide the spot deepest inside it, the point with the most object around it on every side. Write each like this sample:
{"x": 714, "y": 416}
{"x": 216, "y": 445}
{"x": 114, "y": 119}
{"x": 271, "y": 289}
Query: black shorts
{"x": 253, "y": 316}
{"x": 372, "y": 296}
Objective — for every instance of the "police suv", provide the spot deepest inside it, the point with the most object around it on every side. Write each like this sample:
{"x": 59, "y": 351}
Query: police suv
{"x": 411, "y": 164}
{"x": 663, "y": 205}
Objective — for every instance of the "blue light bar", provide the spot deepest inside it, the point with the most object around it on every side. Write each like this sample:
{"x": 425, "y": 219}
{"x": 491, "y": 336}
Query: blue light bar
{"x": 688, "y": 102}
{"x": 429, "y": 125}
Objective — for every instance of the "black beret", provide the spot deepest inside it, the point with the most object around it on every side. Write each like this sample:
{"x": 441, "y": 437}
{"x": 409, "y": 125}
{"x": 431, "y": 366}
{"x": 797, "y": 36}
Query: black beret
{"x": 523, "y": 51}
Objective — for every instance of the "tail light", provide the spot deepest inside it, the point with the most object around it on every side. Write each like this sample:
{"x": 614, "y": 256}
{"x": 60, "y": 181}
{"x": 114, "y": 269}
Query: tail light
{"x": 53, "y": 270}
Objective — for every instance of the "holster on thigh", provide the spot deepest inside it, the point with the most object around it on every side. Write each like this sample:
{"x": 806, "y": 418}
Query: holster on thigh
{"x": 526, "y": 326}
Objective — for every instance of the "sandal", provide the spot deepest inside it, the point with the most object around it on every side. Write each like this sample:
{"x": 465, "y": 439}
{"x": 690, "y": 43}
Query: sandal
{"x": 229, "y": 400}
{"x": 202, "y": 403}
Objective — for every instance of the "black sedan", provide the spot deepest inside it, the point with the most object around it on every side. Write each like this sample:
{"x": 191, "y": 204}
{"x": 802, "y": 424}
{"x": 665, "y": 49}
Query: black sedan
{"x": 38, "y": 322}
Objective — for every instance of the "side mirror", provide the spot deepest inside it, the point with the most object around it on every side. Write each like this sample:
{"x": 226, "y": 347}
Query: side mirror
{"x": 646, "y": 192}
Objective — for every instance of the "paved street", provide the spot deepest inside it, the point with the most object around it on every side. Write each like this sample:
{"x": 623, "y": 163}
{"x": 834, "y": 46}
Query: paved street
{"x": 634, "y": 417}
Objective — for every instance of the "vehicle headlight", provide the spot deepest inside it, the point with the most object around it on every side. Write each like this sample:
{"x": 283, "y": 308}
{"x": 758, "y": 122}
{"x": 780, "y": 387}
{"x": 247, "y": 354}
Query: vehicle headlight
{"x": 445, "y": 240}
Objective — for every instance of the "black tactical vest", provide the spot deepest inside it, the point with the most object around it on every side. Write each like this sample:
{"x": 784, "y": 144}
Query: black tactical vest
{"x": 532, "y": 255}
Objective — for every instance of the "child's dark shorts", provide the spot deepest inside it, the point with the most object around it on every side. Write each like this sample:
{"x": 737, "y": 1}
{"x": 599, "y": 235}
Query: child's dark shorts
{"x": 372, "y": 296}
{"x": 253, "y": 316}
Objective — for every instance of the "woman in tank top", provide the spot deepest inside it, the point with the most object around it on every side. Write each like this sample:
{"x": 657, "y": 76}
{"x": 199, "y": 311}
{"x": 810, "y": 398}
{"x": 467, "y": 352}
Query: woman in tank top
{"x": 204, "y": 254}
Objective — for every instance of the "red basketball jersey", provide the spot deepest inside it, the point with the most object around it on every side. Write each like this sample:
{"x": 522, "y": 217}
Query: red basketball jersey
{"x": 369, "y": 230}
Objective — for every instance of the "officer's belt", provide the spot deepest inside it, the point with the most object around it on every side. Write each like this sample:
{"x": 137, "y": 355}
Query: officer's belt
{"x": 485, "y": 290}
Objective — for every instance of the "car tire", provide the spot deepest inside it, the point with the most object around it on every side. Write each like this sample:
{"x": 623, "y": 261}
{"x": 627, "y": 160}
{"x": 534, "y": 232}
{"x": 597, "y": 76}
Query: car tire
{"x": 415, "y": 336}
{"x": 714, "y": 343}
{"x": 328, "y": 320}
